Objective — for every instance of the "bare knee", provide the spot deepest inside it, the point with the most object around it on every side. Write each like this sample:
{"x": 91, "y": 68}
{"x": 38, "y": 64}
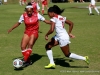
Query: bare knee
{"x": 48, "y": 47}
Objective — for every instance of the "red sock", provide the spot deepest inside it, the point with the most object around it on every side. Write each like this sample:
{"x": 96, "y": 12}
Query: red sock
{"x": 42, "y": 11}
{"x": 24, "y": 52}
{"x": 29, "y": 51}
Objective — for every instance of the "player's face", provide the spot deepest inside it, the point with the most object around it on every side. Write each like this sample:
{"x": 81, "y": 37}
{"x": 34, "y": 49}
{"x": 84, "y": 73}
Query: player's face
{"x": 51, "y": 14}
{"x": 29, "y": 11}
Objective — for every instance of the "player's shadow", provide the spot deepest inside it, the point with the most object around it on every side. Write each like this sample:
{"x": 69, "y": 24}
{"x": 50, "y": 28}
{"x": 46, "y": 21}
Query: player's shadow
{"x": 35, "y": 57}
{"x": 62, "y": 62}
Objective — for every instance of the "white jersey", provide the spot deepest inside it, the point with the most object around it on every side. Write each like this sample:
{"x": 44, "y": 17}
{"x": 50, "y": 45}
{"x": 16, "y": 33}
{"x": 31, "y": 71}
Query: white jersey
{"x": 59, "y": 26}
{"x": 40, "y": 17}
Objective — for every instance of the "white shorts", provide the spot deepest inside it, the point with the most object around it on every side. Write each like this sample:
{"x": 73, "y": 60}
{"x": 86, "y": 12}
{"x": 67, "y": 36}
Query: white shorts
{"x": 92, "y": 3}
{"x": 5, "y": 0}
{"x": 62, "y": 41}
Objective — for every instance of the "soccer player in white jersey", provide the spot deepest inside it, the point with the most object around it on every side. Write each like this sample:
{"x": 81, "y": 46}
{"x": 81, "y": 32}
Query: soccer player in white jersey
{"x": 61, "y": 38}
{"x": 92, "y": 5}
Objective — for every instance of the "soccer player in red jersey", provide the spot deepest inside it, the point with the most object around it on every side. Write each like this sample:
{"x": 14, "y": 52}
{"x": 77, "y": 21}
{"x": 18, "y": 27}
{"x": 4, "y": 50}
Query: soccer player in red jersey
{"x": 31, "y": 21}
{"x": 44, "y": 4}
{"x": 36, "y": 7}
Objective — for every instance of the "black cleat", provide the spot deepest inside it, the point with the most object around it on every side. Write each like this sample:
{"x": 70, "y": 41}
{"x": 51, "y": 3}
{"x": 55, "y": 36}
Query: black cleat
{"x": 25, "y": 64}
{"x": 91, "y": 14}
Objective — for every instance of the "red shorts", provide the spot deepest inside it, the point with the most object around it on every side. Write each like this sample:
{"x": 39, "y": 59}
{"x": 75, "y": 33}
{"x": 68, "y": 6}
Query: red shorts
{"x": 29, "y": 33}
{"x": 44, "y": 3}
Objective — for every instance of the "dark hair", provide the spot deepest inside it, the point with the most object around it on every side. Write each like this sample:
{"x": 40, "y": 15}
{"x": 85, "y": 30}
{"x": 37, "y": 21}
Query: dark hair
{"x": 56, "y": 10}
{"x": 29, "y": 3}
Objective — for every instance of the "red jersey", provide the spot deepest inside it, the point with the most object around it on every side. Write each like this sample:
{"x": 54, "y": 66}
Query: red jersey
{"x": 31, "y": 23}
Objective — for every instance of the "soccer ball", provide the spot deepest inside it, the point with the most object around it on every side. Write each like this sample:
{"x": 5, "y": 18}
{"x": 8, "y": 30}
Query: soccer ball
{"x": 17, "y": 63}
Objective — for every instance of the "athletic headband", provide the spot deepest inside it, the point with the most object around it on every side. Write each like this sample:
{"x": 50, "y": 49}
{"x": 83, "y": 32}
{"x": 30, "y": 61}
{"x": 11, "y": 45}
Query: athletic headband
{"x": 29, "y": 6}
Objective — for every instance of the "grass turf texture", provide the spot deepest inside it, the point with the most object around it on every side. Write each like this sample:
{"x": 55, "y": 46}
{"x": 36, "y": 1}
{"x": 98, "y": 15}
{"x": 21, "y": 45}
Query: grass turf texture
{"x": 86, "y": 29}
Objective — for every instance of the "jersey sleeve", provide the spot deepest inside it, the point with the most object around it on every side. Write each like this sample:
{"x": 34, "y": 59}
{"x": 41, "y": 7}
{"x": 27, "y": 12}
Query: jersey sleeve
{"x": 53, "y": 20}
{"x": 21, "y": 19}
{"x": 64, "y": 19}
{"x": 40, "y": 17}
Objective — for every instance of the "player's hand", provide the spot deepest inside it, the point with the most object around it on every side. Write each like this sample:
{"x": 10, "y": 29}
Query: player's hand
{"x": 46, "y": 37}
{"x": 9, "y": 31}
{"x": 71, "y": 35}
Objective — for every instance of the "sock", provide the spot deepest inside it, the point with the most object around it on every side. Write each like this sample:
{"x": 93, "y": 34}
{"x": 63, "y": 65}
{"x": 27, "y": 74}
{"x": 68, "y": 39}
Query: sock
{"x": 26, "y": 54}
{"x": 50, "y": 56}
{"x": 29, "y": 51}
{"x": 90, "y": 10}
{"x": 75, "y": 56}
{"x": 20, "y": 3}
{"x": 96, "y": 10}
{"x": 42, "y": 11}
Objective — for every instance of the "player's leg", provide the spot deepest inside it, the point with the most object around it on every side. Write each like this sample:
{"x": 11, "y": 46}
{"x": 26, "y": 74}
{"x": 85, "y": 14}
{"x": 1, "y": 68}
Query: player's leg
{"x": 90, "y": 9}
{"x": 24, "y": 43}
{"x": 96, "y": 9}
{"x": 20, "y": 2}
{"x": 31, "y": 42}
{"x": 42, "y": 9}
{"x": 67, "y": 53}
{"x": 46, "y": 7}
{"x": 49, "y": 52}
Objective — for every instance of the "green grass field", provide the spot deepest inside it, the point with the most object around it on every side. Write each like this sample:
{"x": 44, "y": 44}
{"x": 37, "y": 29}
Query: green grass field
{"x": 87, "y": 42}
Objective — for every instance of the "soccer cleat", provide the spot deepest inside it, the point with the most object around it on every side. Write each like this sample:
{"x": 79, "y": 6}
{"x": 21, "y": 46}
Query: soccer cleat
{"x": 91, "y": 14}
{"x": 98, "y": 13}
{"x": 50, "y": 66}
{"x": 25, "y": 64}
{"x": 87, "y": 59}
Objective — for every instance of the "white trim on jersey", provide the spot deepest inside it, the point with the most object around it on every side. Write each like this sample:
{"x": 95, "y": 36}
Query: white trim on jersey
{"x": 40, "y": 17}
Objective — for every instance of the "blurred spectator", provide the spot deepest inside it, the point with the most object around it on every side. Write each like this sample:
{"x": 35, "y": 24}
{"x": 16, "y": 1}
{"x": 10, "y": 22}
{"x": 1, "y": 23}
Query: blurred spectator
{"x": 22, "y": 2}
{"x": 0, "y": 2}
{"x": 5, "y": 1}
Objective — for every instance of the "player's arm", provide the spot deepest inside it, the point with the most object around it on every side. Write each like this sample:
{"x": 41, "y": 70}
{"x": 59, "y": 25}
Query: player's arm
{"x": 51, "y": 30}
{"x": 41, "y": 18}
{"x": 70, "y": 28}
{"x": 47, "y": 21}
{"x": 16, "y": 24}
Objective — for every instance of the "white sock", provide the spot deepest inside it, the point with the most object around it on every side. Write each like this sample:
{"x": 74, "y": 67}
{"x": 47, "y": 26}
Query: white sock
{"x": 90, "y": 9}
{"x": 75, "y": 56}
{"x": 96, "y": 10}
{"x": 50, "y": 56}
{"x": 20, "y": 3}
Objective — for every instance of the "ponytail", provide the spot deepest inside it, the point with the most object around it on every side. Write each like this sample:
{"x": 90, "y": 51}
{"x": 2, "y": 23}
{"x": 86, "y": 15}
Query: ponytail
{"x": 56, "y": 10}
